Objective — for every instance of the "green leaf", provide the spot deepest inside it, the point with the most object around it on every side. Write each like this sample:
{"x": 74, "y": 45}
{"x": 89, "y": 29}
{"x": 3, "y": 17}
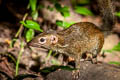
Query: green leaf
{"x": 59, "y": 23}
{"x": 63, "y": 10}
{"x": 110, "y": 51}
{"x": 83, "y": 11}
{"x": 54, "y": 1}
{"x": 55, "y": 62}
{"x": 117, "y": 14}
{"x": 50, "y": 8}
{"x": 67, "y": 68}
{"x": 49, "y": 69}
{"x": 64, "y": 24}
{"x": 58, "y": 7}
{"x": 83, "y": 2}
{"x": 29, "y": 35}
{"x": 41, "y": 6}
{"x": 67, "y": 25}
{"x": 31, "y": 25}
{"x": 34, "y": 15}
{"x": 115, "y": 48}
{"x": 55, "y": 67}
{"x": 114, "y": 62}
{"x": 65, "y": 14}
{"x": 33, "y": 4}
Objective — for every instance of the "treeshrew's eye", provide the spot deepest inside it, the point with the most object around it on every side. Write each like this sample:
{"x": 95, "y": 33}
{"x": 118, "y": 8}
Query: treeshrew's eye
{"x": 42, "y": 40}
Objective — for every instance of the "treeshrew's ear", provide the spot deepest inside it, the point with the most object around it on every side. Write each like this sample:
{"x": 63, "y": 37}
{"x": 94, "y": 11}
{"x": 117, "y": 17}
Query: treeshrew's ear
{"x": 54, "y": 39}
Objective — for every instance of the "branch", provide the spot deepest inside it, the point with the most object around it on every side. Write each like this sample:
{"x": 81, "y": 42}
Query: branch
{"x": 88, "y": 71}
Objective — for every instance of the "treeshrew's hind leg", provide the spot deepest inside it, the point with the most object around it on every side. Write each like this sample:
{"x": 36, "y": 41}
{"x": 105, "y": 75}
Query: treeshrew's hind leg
{"x": 95, "y": 54}
{"x": 91, "y": 57}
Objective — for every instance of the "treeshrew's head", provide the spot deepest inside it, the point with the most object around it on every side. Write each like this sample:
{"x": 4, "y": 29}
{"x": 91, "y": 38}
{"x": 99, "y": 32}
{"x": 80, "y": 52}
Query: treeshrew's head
{"x": 46, "y": 40}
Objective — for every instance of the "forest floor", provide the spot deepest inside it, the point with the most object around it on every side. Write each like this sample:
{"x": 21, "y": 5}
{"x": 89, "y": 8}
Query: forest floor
{"x": 36, "y": 64}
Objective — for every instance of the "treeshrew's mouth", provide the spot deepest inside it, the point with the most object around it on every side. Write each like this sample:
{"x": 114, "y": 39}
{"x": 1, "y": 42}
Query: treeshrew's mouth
{"x": 36, "y": 45}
